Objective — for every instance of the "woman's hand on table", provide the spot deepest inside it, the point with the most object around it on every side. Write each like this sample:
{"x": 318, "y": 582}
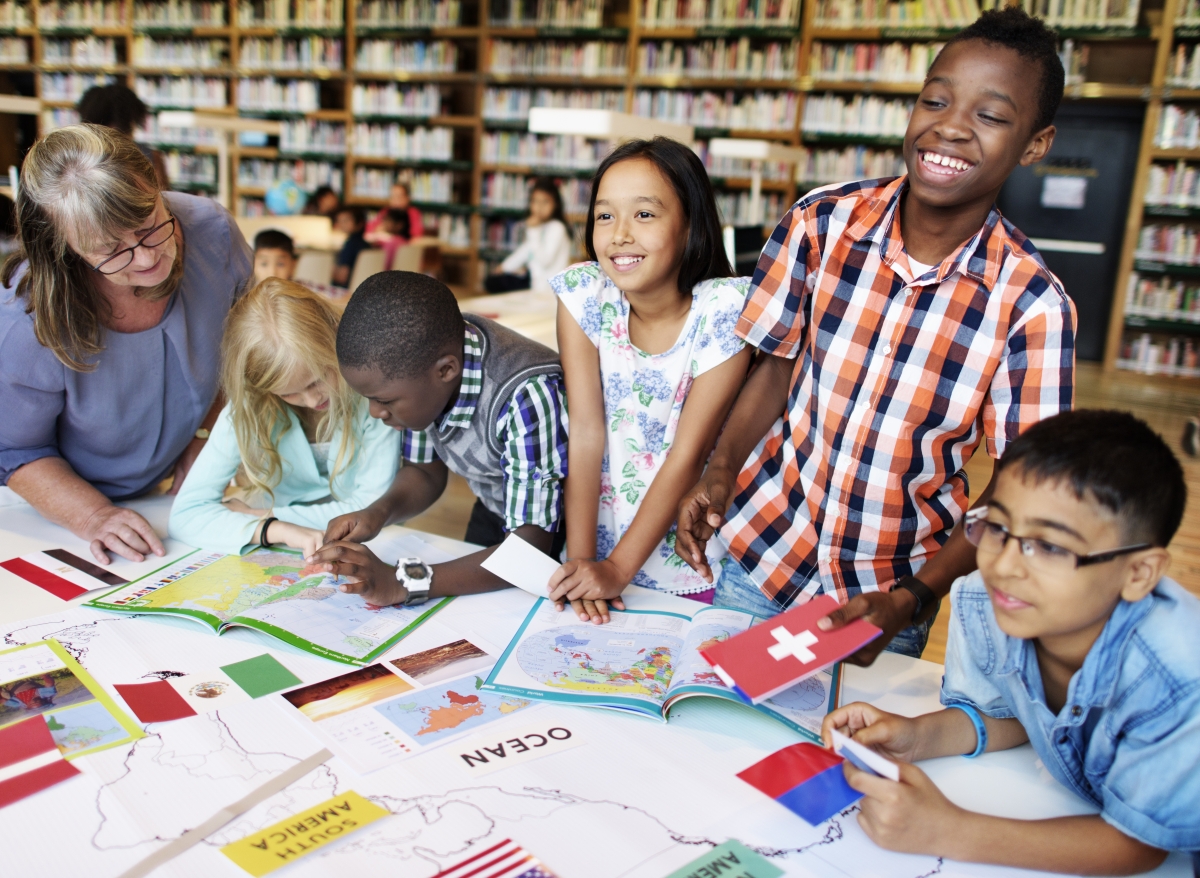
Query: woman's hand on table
{"x": 894, "y": 737}
{"x": 590, "y": 587}
{"x": 120, "y": 531}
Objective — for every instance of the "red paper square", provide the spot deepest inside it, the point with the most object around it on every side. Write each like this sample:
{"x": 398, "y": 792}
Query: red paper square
{"x": 155, "y": 702}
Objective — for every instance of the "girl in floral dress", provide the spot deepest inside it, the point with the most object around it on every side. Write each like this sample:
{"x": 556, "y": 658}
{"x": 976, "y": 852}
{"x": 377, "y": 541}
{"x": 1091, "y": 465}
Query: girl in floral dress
{"x": 652, "y": 366}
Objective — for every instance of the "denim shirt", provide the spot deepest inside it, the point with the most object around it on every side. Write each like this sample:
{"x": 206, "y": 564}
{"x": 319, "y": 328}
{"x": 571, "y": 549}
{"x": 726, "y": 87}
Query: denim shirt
{"x": 1128, "y": 737}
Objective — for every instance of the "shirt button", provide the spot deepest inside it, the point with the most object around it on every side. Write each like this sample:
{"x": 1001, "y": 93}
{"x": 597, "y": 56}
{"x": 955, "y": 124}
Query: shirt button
{"x": 886, "y": 349}
{"x": 907, "y": 293}
{"x": 1076, "y": 710}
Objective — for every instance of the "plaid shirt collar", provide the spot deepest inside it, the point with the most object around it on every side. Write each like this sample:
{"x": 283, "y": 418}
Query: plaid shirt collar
{"x": 472, "y": 383}
{"x": 980, "y": 258}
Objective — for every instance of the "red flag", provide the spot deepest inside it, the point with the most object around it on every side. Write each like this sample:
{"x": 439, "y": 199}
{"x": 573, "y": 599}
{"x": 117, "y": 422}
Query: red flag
{"x": 29, "y": 760}
{"x": 780, "y": 652}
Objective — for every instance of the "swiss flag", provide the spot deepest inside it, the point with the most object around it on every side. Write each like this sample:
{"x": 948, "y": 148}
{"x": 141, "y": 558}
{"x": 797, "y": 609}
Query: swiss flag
{"x": 781, "y": 651}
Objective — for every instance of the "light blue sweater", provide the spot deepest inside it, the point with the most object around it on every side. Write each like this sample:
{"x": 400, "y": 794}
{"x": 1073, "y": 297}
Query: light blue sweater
{"x": 199, "y": 518}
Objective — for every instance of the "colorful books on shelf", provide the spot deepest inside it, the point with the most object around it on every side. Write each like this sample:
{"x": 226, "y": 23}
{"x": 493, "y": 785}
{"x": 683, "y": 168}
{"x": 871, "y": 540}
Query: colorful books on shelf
{"x": 275, "y": 592}
{"x": 718, "y": 59}
{"x": 644, "y": 662}
{"x": 719, "y": 13}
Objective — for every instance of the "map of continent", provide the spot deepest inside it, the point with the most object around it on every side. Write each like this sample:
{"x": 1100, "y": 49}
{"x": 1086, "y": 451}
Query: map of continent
{"x": 594, "y": 661}
{"x": 81, "y": 728}
{"x": 430, "y": 715}
{"x": 804, "y": 696}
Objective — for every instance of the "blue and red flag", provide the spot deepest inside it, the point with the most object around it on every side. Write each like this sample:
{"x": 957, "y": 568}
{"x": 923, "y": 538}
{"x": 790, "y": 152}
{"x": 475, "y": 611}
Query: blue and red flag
{"x": 805, "y": 779}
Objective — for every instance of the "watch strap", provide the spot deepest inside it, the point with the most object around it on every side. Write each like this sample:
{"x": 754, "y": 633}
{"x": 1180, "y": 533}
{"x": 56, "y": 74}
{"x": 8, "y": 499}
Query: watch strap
{"x": 926, "y": 599}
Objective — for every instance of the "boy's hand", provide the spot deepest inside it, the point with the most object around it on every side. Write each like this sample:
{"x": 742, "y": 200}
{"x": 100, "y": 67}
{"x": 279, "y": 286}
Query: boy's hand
{"x": 889, "y": 610}
{"x": 357, "y": 527}
{"x": 375, "y": 580}
{"x": 894, "y": 737}
{"x": 590, "y": 586}
{"x": 911, "y": 816}
{"x": 701, "y": 512}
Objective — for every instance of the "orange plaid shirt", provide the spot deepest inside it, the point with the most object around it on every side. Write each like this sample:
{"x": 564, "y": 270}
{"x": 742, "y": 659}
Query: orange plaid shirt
{"x": 897, "y": 379}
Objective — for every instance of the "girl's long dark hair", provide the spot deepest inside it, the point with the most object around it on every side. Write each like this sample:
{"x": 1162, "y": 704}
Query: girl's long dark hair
{"x": 545, "y": 184}
{"x": 704, "y": 253}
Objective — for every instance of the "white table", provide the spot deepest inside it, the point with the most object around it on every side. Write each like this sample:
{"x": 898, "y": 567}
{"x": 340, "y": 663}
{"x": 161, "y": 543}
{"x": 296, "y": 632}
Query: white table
{"x": 530, "y": 313}
{"x": 705, "y": 735}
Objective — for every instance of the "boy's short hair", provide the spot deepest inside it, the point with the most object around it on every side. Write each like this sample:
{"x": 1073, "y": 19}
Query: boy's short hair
{"x": 1112, "y": 457}
{"x": 1029, "y": 37}
{"x": 273, "y": 239}
{"x": 360, "y": 215}
{"x": 399, "y": 322}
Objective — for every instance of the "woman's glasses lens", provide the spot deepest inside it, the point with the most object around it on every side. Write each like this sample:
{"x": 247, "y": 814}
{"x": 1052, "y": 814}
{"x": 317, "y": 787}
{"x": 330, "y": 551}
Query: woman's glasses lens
{"x": 156, "y": 237}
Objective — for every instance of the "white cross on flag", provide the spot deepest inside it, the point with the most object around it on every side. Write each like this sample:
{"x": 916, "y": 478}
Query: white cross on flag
{"x": 782, "y": 651}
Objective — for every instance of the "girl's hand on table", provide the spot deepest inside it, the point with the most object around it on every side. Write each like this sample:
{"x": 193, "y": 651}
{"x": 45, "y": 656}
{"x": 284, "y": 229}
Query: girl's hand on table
{"x": 894, "y": 737}
{"x": 590, "y": 586}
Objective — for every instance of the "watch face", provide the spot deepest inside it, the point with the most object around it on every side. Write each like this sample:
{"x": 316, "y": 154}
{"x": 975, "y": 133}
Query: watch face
{"x": 416, "y": 571}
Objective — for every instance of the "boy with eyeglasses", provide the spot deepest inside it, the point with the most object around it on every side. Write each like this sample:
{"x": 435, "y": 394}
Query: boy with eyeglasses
{"x": 1070, "y": 637}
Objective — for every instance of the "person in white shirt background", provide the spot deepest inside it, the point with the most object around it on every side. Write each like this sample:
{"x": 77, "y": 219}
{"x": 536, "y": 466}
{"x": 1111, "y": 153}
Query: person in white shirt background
{"x": 546, "y": 250}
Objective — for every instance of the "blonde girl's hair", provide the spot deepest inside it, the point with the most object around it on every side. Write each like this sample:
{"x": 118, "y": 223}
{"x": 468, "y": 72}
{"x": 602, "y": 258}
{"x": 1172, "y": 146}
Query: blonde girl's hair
{"x": 94, "y": 183}
{"x": 275, "y": 330}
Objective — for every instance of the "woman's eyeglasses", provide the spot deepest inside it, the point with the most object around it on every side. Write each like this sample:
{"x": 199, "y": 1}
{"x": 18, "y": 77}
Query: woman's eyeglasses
{"x": 1039, "y": 554}
{"x": 121, "y": 260}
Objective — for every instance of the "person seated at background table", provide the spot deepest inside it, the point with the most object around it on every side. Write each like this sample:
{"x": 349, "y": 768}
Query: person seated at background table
{"x": 652, "y": 367}
{"x": 468, "y": 396}
{"x": 349, "y": 221}
{"x": 301, "y": 443}
{"x": 399, "y": 198}
{"x": 274, "y": 255}
{"x": 1070, "y": 637}
{"x": 396, "y": 233}
{"x": 118, "y": 106}
{"x": 324, "y": 202}
{"x": 546, "y": 249}
{"x": 900, "y": 323}
{"x": 110, "y": 329}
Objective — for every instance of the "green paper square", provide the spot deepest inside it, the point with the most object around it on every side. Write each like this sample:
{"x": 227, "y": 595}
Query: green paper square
{"x": 261, "y": 676}
{"x": 731, "y": 858}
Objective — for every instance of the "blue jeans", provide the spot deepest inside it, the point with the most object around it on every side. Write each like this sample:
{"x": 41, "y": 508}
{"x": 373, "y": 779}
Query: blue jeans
{"x": 737, "y": 591}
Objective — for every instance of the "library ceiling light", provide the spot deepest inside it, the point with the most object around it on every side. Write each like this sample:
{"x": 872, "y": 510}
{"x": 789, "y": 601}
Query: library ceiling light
{"x": 604, "y": 125}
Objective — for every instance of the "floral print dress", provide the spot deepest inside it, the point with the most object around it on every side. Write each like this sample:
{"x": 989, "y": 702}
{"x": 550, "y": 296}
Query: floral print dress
{"x": 643, "y": 400}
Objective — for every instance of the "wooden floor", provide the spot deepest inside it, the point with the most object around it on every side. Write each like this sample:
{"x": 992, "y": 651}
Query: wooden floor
{"x": 1164, "y": 404}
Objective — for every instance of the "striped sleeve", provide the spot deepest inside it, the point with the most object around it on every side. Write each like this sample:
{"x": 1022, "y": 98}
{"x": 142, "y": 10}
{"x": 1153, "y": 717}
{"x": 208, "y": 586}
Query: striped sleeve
{"x": 416, "y": 447}
{"x": 772, "y": 319}
{"x": 533, "y": 431}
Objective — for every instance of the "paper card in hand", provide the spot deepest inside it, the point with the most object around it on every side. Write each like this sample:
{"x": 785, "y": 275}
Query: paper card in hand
{"x": 782, "y": 651}
{"x": 806, "y": 779}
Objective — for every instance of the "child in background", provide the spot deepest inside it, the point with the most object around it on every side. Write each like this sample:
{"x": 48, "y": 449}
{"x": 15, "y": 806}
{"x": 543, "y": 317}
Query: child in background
{"x": 395, "y": 230}
{"x": 303, "y": 444}
{"x": 546, "y": 250}
{"x": 399, "y": 198}
{"x": 1070, "y": 637}
{"x": 324, "y": 202}
{"x": 468, "y": 396}
{"x": 274, "y": 255}
{"x": 652, "y": 366}
{"x": 349, "y": 221}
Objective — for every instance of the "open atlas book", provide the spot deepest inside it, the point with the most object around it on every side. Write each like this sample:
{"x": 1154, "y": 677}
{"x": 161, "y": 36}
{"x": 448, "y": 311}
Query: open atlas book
{"x": 273, "y": 591}
{"x": 643, "y": 661}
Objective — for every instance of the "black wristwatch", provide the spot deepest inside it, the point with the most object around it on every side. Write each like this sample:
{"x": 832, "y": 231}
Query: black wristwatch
{"x": 926, "y": 599}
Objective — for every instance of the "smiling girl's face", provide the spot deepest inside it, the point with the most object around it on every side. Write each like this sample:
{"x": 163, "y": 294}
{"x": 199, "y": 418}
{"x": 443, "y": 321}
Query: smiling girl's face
{"x": 639, "y": 230}
{"x": 303, "y": 390}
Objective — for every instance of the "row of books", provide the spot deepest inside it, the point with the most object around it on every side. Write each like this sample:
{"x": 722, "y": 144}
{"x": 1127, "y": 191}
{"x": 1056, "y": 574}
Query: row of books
{"x": 760, "y": 111}
{"x": 546, "y": 13}
{"x": 14, "y": 15}
{"x": 1162, "y": 298}
{"x": 305, "y": 53}
{"x": 542, "y": 150}
{"x": 1188, "y": 14}
{"x": 558, "y": 58}
{"x": 180, "y": 13}
{"x": 70, "y": 86}
{"x": 1178, "y": 128}
{"x": 14, "y": 50}
{"x": 58, "y": 15}
{"x": 513, "y": 104}
{"x": 397, "y": 142}
{"x": 866, "y": 115}
{"x": 1085, "y": 13}
{"x": 720, "y": 13}
{"x": 1176, "y": 185}
{"x": 1183, "y": 68}
{"x": 307, "y": 174}
{"x": 718, "y": 59}
{"x": 160, "y": 135}
{"x": 86, "y": 52}
{"x": 821, "y": 166}
{"x": 1159, "y": 355}
{"x": 199, "y": 92}
{"x": 725, "y": 166}
{"x": 904, "y": 14}
{"x": 388, "y": 56}
{"x": 150, "y": 52}
{"x": 189, "y": 169}
{"x": 291, "y": 13}
{"x": 428, "y": 187}
{"x": 410, "y": 13}
{"x": 1074, "y": 60}
{"x": 393, "y": 99}
{"x": 268, "y": 94}
{"x": 734, "y": 208}
{"x": 1174, "y": 243}
{"x": 872, "y": 62}
{"x": 511, "y": 192}
{"x": 503, "y": 233}
{"x": 311, "y": 136}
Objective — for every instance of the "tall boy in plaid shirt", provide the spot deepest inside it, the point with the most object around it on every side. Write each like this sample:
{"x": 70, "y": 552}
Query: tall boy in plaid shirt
{"x": 903, "y": 322}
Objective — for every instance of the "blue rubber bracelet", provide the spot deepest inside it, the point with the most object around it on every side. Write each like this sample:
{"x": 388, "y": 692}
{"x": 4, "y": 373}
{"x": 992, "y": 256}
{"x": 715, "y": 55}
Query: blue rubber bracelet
{"x": 980, "y": 728}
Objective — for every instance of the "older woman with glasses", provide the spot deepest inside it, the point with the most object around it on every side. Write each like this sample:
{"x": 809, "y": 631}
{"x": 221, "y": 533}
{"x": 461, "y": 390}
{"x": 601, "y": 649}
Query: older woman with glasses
{"x": 110, "y": 330}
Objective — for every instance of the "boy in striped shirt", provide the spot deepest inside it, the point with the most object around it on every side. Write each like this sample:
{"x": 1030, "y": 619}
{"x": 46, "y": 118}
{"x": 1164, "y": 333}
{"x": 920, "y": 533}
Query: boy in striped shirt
{"x": 901, "y": 323}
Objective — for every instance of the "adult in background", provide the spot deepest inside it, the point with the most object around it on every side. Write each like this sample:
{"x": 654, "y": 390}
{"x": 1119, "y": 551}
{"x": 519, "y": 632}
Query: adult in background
{"x": 118, "y": 107}
{"x": 399, "y": 198}
{"x": 111, "y": 316}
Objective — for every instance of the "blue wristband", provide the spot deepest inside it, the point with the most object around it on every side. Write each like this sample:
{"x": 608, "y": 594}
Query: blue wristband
{"x": 980, "y": 728}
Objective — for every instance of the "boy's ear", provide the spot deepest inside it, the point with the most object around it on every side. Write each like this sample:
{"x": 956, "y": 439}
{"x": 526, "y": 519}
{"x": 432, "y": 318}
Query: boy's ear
{"x": 447, "y": 368}
{"x": 1145, "y": 569}
{"x": 1039, "y": 144}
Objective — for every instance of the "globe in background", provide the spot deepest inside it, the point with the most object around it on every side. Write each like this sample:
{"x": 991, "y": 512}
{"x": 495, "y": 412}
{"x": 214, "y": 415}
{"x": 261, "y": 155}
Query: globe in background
{"x": 285, "y": 198}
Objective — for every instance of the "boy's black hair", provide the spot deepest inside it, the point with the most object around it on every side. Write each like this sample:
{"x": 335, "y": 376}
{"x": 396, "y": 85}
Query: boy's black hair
{"x": 398, "y": 217}
{"x": 547, "y": 185}
{"x": 704, "y": 252}
{"x": 360, "y": 215}
{"x": 113, "y": 106}
{"x": 399, "y": 322}
{"x": 273, "y": 239}
{"x": 1029, "y": 37}
{"x": 1112, "y": 457}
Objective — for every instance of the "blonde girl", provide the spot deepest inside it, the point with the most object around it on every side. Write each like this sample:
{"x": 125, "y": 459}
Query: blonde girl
{"x": 299, "y": 441}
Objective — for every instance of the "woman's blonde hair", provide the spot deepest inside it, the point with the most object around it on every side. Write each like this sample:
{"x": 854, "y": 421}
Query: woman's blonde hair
{"x": 272, "y": 332}
{"x": 95, "y": 183}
